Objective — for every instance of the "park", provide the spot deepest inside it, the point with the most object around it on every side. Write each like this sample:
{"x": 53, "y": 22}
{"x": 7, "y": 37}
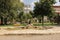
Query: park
{"x": 21, "y": 19}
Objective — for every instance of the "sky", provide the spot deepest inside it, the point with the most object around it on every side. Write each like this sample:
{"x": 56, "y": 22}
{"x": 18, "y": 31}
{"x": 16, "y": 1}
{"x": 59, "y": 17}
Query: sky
{"x": 57, "y": 3}
{"x": 31, "y": 2}
{"x": 28, "y": 1}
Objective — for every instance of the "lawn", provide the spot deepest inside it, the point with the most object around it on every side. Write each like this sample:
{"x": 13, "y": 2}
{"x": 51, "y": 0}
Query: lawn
{"x": 13, "y": 25}
{"x": 24, "y": 26}
{"x": 45, "y": 24}
{"x": 34, "y": 24}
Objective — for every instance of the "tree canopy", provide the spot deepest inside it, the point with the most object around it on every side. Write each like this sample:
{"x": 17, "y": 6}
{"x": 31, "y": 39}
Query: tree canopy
{"x": 9, "y": 8}
{"x": 43, "y": 8}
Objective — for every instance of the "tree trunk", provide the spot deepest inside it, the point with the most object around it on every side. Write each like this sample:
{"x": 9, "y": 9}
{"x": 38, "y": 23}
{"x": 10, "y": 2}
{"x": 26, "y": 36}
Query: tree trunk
{"x": 2, "y": 21}
{"x": 42, "y": 20}
{"x": 12, "y": 21}
{"x": 39, "y": 20}
{"x": 5, "y": 21}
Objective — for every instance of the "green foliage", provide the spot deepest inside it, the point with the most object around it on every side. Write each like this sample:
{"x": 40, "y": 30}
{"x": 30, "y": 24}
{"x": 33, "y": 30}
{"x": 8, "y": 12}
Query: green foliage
{"x": 44, "y": 8}
{"x": 24, "y": 17}
{"x": 9, "y": 9}
{"x": 57, "y": 19}
{"x": 46, "y": 24}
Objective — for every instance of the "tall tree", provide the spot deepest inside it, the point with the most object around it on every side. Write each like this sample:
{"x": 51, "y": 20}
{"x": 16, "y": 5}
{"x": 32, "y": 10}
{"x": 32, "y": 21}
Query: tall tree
{"x": 8, "y": 9}
{"x": 24, "y": 17}
{"x": 43, "y": 8}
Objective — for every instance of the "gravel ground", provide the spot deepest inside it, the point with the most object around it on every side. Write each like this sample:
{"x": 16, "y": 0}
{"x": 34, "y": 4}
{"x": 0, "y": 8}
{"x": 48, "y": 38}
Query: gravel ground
{"x": 31, "y": 37}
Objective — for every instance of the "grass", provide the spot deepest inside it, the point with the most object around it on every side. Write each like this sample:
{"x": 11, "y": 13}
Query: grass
{"x": 45, "y": 24}
{"x": 23, "y": 26}
{"x": 13, "y": 25}
{"x": 34, "y": 24}
{"x": 6, "y": 25}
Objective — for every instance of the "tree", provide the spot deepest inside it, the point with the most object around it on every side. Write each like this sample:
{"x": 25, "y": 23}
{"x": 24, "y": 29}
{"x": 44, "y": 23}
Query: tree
{"x": 43, "y": 8}
{"x": 8, "y": 9}
{"x": 57, "y": 19}
{"x": 24, "y": 17}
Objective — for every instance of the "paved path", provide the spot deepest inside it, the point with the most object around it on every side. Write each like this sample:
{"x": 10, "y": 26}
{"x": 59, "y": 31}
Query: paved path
{"x": 31, "y": 37}
{"x": 54, "y": 30}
